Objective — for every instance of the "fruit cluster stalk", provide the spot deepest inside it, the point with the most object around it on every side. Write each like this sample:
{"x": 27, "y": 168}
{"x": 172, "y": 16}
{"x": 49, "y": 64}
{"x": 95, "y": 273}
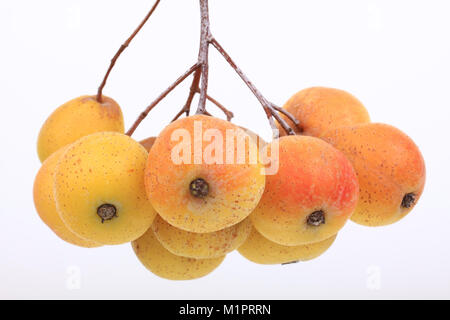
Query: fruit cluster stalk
{"x": 200, "y": 70}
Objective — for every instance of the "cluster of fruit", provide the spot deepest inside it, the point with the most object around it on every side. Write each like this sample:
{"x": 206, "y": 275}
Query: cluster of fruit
{"x": 98, "y": 186}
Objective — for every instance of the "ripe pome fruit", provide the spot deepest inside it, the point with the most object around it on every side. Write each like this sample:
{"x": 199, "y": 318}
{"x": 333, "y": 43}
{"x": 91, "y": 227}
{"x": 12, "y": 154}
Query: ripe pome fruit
{"x": 390, "y": 169}
{"x": 312, "y": 195}
{"x": 99, "y": 188}
{"x": 201, "y": 245}
{"x": 260, "y": 250}
{"x": 166, "y": 265}
{"x": 148, "y": 143}
{"x": 192, "y": 183}
{"x": 320, "y": 109}
{"x": 44, "y": 202}
{"x": 78, "y": 118}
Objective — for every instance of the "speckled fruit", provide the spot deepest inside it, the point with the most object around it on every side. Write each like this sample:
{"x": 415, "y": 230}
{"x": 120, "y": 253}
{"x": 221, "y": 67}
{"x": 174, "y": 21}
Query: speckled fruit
{"x": 260, "y": 250}
{"x": 312, "y": 195}
{"x": 193, "y": 185}
{"x": 390, "y": 169}
{"x": 78, "y": 118}
{"x": 166, "y": 265}
{"x": 44, "y": 202}
{"x": 260, "y": 142}
{"x": 148, "y": 143}
{"x": 320, "y": 109}
{"x": 99, "y": 188}
{"x": 201, "y": 245}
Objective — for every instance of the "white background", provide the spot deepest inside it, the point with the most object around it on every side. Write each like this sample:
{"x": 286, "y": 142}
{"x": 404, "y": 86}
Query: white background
{"x": 393, "y": 55}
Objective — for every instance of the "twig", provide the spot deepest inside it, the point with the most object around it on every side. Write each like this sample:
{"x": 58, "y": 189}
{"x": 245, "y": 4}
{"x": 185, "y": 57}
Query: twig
{"x": 203, "y": 54}
{"x": 289, "y": 116}
{"x": 186, "y": 108}
{"x": 144, "y": 114}
{"x": 192, "y": 92}
{"x": 122, "y": 49}
{"x": 228, "y": 113}
{"x": 201, "y": 70}
{"x": 268, "y": 107}
{"x": 179, "y": 114}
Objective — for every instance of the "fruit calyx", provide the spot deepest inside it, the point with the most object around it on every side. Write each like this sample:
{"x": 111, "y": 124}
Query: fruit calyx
{"x": 316, "y": 218}
{"x": 409, "y": 200}
{"x": 199, "y": 188}
{"x": 288, "y": 263}
{"x": 107, "y": 212}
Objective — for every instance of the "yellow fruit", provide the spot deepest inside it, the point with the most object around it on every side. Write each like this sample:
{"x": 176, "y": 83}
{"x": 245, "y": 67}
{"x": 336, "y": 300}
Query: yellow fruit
{"x": 263, "y": 251}
{"x": 99, "y": 188}
{"x": 166, "y": 265}
{"x": 44, "y": 202}
{"x": 78, "y": 118}
{"x": 201, "y": 245}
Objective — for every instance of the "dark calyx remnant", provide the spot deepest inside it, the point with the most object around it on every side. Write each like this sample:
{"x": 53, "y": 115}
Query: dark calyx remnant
{"x": 287, "y": 263}
{"x": 199, "y": 188}
{"x": 409, "y": 200}
{"x": 107, "y": 212}
{"x": 316, "y": 218}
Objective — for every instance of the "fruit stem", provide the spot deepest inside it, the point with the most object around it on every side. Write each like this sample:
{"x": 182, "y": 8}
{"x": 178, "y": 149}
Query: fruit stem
{"x": 201, "y": 69}
{"x": 186, "y": 109}
{"x": 289, "y": 116}
{"x": 268, "y": 107}
{"x": 194, "y": 89}
{"x": 228, "y": 113}
{"x": 144, "y": 114}
{"x": 122, "y": 49}
{"x": 203, "y": 55}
